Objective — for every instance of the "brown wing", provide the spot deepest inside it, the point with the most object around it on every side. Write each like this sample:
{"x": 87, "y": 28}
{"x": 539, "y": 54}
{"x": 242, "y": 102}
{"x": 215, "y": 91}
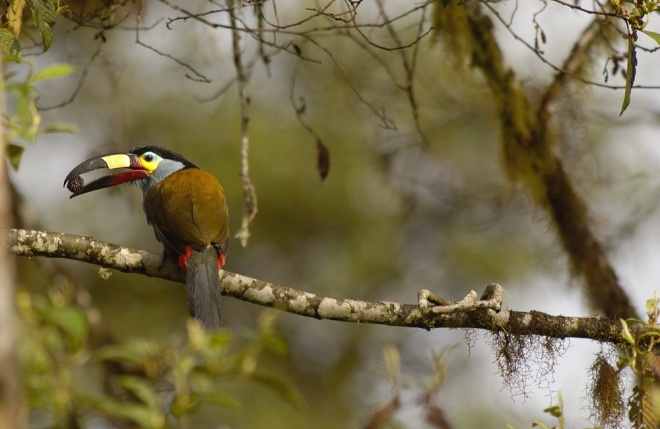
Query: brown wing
{"x": 188, "y": 208}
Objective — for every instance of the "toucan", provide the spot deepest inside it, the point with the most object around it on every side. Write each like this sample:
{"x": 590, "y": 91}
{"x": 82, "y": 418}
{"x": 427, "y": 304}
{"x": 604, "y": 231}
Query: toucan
{"x": 186, "y": 208}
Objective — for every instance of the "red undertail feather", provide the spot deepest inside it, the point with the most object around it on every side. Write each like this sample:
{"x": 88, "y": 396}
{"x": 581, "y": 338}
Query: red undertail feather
{"x": 183, "y": 259}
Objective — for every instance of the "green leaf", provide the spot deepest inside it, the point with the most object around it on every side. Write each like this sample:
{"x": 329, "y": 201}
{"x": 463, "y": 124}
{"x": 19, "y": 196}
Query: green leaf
{"x": 554, "y": 411}
{"x": 28, "y": 118}
{"x": 274, "y": 342}
{"x": 10, "y": 45}
{"x": 653, "y": 35}
{"x": 631, "y": 70}
{"x": 21, "y": 89}
{"x": 223, "y": 399}
{"x": 140, "y": 415}
{"x": 622, "y": 361}
{"x": 61, "y": 128}
{"x": 141, "y": 389}
{"x": 47, "y": 10}
{"x": 54, "y": 71}
{"x": 47, "y": 36}
{"x": 119, "y": 353}
{"x": 279, "y": 385}
{"x": 44, "y": 13}
{"x": 625, "y": 333}
{"x": 73, "y": 322}
{"x": 14, "y": 154}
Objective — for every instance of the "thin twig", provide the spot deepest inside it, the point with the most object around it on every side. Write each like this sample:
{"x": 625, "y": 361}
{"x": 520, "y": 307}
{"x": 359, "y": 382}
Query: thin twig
{"x": 553, "y": 66}
{"x": 386, "y": 122}
{"x": 409, "y": 65}
{"x": 570, "y": 67}
{"x": 302, "y": 108}
{"x": 227, "y": 85}
{"x": 198, "y": 76}
{"x": 198, "y": 16}
{"x": 399, "y": 45}
{"x": 589, "y": 11}
{"x": 81, "y": 81}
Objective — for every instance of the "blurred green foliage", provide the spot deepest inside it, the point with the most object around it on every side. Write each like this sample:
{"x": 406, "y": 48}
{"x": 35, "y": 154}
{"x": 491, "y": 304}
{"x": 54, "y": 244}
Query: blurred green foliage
{"x": 145, "y": 383}
{"x": 26, "y": 125}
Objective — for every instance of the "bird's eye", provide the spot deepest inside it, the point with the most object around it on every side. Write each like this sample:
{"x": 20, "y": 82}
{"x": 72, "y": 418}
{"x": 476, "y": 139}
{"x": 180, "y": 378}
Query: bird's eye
{"x": 149, "y": 157}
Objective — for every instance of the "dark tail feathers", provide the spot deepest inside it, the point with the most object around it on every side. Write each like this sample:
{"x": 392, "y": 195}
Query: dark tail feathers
{"x": 203, "y": 285}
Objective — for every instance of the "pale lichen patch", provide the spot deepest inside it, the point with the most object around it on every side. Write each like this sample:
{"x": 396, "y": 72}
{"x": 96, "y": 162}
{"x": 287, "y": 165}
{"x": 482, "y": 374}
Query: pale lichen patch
{"x": 373, "y": 312}
{"x": 262, "y": 295}
{"x": 299, "y": 303}
{"x": 125, "y": 257}
{"x": 571, "y": 325}
{"x": 53, "y": 245}
{"x": 332, "y": 309}
{"x": 20, "y": 249}
{"x": 526, "y": 319}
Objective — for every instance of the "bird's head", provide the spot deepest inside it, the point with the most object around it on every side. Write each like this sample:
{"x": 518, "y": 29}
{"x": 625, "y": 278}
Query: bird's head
{"x": 144, "y": 166}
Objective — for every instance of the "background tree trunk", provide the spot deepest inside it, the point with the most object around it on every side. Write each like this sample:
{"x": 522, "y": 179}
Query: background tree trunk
{"x": 8, "y": 375}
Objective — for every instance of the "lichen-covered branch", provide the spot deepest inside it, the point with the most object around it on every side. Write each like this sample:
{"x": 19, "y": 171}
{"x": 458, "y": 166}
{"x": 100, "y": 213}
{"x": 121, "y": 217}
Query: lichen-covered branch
{"x": 86, "y": 249}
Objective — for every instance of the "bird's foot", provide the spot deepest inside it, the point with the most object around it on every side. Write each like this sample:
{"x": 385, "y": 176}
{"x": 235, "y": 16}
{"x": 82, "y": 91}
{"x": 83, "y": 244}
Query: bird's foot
{"x": 491, "y": 298}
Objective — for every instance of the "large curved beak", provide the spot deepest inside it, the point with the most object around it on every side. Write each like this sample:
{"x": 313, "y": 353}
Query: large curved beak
{"x": 76, "y": 184}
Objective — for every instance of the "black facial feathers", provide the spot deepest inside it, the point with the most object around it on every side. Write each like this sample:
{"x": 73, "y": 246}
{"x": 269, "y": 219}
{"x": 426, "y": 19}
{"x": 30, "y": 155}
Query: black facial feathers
{"x": 164, "y": 153}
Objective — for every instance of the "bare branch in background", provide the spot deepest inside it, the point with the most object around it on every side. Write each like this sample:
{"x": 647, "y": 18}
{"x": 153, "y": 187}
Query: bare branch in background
{"x": 198, "y": 77}
{"x": 9, "y": 393}
{"x": 571, "y": 66}
{"x": 409, "y": 64}
{"x": 250, "y": 206}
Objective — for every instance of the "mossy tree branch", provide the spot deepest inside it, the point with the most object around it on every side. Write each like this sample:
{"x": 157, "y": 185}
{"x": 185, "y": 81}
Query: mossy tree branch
{"x": 85, "y": 249}
{"x": 527, "y": 147}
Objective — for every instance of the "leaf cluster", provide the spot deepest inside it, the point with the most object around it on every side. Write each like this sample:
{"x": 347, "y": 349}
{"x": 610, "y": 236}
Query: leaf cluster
{"x": 641, "y": 356}
{"x": 636, "y": 20}
{"x": 141, "y": 383}
{"x": 43, "y": 13}
{"x": 25, "y": 123}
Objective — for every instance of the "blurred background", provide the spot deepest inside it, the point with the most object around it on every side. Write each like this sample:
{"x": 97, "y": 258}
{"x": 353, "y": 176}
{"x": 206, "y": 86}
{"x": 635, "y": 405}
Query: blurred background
{"x": 404, "y": 207}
